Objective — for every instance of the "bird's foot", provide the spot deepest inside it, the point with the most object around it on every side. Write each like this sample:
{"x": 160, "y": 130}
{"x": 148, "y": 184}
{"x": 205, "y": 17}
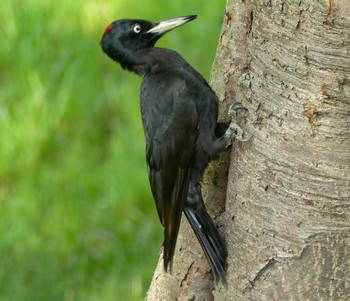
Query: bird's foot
{"x": 234, "y": 131}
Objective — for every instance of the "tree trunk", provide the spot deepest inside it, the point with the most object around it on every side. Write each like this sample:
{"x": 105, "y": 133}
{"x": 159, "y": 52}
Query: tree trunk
{"x": 286, "y": 217}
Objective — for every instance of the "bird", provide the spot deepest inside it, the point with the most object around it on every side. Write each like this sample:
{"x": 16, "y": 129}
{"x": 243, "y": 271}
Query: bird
{"x": 179, "y": 116}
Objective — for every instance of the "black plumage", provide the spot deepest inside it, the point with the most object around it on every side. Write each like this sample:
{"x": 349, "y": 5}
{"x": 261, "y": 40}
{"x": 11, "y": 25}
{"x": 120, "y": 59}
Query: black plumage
{"x": 179, "y": 115}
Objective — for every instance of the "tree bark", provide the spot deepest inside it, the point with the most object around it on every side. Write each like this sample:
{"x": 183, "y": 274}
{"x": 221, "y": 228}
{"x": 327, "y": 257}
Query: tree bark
{"x": 286, "y": 217}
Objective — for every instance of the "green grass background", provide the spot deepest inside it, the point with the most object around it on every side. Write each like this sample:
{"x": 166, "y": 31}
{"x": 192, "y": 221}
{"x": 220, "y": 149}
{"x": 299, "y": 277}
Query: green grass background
{"x": 77, "y": 221}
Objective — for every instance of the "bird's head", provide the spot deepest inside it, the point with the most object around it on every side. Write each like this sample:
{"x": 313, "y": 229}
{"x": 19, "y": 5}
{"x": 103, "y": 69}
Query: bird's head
{"x": 123, "y": 38}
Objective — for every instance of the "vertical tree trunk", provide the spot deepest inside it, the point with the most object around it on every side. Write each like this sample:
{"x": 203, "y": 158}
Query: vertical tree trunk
{"x": 286, "y": 218}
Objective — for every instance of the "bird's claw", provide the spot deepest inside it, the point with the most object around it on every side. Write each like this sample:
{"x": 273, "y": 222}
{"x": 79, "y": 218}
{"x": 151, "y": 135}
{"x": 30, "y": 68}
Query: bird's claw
{"x": 232, "y": 111}
{"x": 234, "y": 131}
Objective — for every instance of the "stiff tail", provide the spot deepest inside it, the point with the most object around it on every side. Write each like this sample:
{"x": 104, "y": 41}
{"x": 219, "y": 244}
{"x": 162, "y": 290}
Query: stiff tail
{"x": 210, "y": 240}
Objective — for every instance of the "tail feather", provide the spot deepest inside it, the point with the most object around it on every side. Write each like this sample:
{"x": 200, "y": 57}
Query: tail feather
{"x": 210, "y": 240}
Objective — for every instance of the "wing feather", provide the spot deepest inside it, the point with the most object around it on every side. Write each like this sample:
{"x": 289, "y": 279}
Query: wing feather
{"x": 170, "y": 144}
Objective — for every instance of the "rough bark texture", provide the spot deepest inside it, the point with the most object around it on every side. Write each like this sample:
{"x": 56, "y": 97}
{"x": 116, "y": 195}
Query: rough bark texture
{"x": 286, "y": 218}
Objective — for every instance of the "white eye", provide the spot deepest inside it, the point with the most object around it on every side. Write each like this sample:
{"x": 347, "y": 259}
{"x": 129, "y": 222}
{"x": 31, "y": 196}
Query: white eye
{"x": 137, "y": 28}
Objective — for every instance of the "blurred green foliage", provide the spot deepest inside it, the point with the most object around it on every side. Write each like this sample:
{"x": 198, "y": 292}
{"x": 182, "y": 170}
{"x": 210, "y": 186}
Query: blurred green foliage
{"x": 77, "y": 221}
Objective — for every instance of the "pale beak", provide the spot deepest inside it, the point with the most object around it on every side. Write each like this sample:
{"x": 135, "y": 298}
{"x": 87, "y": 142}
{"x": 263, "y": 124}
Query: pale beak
{"x": 163, "y": 27}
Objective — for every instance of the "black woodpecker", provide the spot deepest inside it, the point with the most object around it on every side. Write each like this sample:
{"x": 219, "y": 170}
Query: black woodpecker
{"x": 179, "y": 114}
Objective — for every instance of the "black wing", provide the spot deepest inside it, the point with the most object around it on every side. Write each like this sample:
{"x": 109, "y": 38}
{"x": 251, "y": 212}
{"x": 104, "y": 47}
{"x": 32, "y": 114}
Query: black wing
{"x": 170, "y": 124}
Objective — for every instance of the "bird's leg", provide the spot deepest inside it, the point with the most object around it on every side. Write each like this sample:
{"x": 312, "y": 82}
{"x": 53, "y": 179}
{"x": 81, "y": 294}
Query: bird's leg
{"x": 234, "y": 131}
